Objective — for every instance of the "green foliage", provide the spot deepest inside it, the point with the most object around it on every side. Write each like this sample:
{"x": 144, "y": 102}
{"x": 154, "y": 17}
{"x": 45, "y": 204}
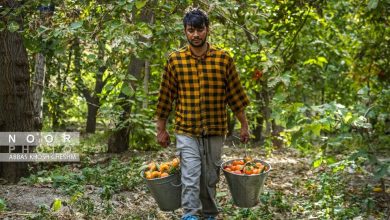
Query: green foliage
{"x": 276, "y": 200}
{"x": 114, "y": 177}
{"x": 93, "y": 143}
{"x": 3, "y": 205}
{"x": 111, "y": 178}
{"x": 83, "y": 202}
{"x": 381, "y": 168}
{"x": 43, "y": 213}
{"x": 330, "y": 197}
{"x": 57, "y": 204}
{"x": 143, "y": 131}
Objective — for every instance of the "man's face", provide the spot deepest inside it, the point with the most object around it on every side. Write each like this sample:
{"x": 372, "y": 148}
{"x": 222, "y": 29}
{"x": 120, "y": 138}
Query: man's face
{"x": 196, "y": 36}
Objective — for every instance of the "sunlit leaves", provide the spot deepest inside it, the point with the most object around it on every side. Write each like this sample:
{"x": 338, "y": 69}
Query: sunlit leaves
{"x": 372, "y": 4}
{"x": 317, "y": 162}
{"x": 13, "y": 26}
{"x": 57, "y": 204}
{"x": 76, "y": 25}
{"x": 320, "y": 61}
{"x": 140, "y": 3}
{"x": 128, "y": 90}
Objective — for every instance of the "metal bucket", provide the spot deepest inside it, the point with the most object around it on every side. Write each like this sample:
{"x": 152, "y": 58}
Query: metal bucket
{"x": 245, "y": 189}
{"x": 166, "y": 191}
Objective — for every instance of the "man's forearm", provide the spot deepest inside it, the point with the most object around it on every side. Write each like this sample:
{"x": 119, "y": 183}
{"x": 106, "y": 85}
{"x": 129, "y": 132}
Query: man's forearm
{"x": 161, "y": 124}
{"x": 242, "y": 118}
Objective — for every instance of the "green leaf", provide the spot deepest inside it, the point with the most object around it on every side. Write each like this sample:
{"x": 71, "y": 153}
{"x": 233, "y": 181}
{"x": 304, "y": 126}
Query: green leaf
{"x": 317, "y": 162}
{"x": 310, "y": 61}
{"x": 129, "y": 7}
{"x": 347, "y": 117}
{"x": 13, "y": 26}
{"x": 221, "y": 194}
{"x": 76, "y": 25}
{"x": 384, "y": 170}
{"x": 127, "y": 90}
{"x": 372, "y": 4}
{"x": 316, "y": 129}
{"x": 131, "y": 77}
{"x": 172, "y": 170}
{"x": 254, "y": 48}
{"x": 57, "y": 32}
{"x": 331, "y": 160}
{"x": 75, "y": 197}
{"x": 319, "y": 61}
{"x": 338, "y": 168}
{"x": 322, "y": 60}
{"x": 57, "y": 204}
{"x": 92, "y": 56}
{"x": 2, "y": 26}
{"x": 143, "y": 167}
{"x": 2, "y": 205}
{"x": 122, "y": 2}
{"x": 140, "y": 3}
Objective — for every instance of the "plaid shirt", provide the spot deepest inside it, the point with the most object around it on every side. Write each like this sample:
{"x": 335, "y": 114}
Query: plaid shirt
{"x": 202, "y": 87}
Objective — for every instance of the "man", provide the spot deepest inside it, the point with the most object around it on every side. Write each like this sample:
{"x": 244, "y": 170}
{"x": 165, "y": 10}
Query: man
{"x": 202, "y": 81}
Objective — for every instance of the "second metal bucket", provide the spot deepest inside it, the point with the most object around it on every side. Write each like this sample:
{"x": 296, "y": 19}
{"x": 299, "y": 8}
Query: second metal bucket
{"x": 245, "y": 189}
{"x": 166, "y": 191}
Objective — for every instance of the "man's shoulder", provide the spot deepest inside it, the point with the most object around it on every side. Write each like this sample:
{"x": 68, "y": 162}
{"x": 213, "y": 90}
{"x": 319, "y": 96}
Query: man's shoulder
{"x": 220, "y": 51}
{"x": 217, "y": 49}
{"x": 178, "y": 52}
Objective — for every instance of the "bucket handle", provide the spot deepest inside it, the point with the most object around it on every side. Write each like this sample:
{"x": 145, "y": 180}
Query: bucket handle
{"x": 174, "y": 185}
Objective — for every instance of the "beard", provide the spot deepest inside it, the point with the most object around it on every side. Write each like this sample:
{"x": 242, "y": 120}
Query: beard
{"x": 192, "y": 43}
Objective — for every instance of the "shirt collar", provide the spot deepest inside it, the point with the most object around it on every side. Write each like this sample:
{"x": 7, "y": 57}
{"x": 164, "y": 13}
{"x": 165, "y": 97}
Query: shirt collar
{"x": 210, "y": 51}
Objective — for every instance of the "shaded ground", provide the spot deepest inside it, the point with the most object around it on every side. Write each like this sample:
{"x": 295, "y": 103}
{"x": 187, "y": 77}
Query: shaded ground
{"x": 289, "y": 173}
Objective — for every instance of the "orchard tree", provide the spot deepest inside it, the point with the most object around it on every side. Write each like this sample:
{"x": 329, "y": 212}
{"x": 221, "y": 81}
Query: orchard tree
{"x": 16, "y": 107}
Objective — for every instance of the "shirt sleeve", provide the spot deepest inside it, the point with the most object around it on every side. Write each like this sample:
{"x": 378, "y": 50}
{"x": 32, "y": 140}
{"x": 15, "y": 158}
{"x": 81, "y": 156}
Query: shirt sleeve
{"x": 168, "y": 92}
{"x": 236, "y": 96}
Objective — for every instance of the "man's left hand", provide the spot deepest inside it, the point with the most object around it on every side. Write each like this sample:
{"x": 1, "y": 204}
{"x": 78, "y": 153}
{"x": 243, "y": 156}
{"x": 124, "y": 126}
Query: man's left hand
{"x": 244, "y": 134}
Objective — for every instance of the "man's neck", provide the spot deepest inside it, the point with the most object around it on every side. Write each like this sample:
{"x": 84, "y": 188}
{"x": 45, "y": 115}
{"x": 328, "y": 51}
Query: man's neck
{"x": 199, "y": 51}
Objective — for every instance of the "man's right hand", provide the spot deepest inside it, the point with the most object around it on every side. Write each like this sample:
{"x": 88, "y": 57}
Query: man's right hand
{"x": 163, "y": 138}
{"x": 162, "y": 134}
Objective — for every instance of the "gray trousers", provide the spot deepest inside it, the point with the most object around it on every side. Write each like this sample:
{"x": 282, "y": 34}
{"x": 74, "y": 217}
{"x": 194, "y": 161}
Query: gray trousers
{"x": 200, "y": 166}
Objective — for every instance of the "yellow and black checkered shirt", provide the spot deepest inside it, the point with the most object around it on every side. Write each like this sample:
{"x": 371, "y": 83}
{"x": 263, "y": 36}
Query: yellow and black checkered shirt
{"x": 201, "y": 88}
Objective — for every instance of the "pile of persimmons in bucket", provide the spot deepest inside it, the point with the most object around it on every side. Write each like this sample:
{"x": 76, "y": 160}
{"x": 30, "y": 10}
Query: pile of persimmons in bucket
{"x": 245, "y": 178}
{"x": 163, "y": 181}
{"x": 246, "y": 166}
{"x": 160, "y": 170}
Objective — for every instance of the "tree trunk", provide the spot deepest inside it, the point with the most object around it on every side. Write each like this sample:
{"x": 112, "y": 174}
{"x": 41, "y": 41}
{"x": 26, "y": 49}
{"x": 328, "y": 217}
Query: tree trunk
{"x": 54, "y": 68}
{"x": 38, "y": 82}
{"x": 92, "y": 97}
{"x": 16, "y": 107}
{"x": 258, "y": 131}
{"x": 57, "y": 113}
{"x": 93, "y": 108}
{"x": 276, "y": 138}
{"x": 266, "y": 110}
{"x": 147, "y": 68}
{"x": 146, "y": 84}
{"x": 119, "y": 140}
